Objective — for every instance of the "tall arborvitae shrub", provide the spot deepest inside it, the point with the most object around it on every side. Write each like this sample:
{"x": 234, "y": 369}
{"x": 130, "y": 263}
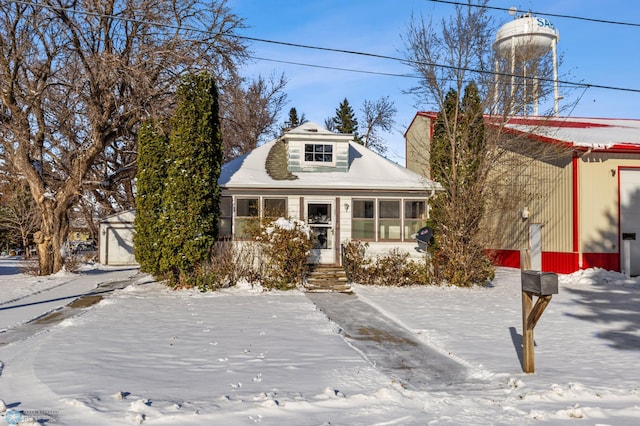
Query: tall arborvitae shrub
{"x": 152, "y": 172}
{"x": 458, "y": 154}
{"x": 191, "y": 199}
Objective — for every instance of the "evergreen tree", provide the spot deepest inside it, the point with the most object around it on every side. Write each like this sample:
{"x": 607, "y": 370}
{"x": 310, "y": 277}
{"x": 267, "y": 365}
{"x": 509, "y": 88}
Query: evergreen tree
{"x": 293, "y": 118}
{"x": 458, "y": 152}
{"x": 152, "y": 172}
{"x": 295, "y": 121}
{"x": 192, "y": 196}
{"x": 345, "y": 120}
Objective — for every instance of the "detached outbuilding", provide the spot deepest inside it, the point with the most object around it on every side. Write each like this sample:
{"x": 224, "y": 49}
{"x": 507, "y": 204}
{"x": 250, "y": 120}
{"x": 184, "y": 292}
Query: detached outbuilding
{"x": 584, "y": 205}
{"x": 116, "y": 239}
{"x": 343, "y": 190}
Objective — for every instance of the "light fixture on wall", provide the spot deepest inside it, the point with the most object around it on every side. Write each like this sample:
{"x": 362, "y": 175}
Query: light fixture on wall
{"x": 525, "y": 213}
{"x": 346, "y": 207}
{"x": 613, "y": 172}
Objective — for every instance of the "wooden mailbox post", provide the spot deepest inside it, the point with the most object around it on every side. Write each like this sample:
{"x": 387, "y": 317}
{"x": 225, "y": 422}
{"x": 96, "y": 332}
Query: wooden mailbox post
{"x": 543, "y": 285}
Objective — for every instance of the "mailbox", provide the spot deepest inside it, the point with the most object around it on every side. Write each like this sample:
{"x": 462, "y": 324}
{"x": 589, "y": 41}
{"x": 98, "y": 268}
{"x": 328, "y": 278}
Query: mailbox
{"x": 540, "y": 283}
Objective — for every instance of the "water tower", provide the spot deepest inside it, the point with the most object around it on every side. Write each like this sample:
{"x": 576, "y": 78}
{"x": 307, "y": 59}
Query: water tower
{"x": 525, "y": 38}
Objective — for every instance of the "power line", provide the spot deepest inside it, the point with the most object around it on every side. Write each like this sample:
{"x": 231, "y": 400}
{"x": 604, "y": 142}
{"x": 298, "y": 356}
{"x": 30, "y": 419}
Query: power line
{"x": 328, "y": 49}
{"x": 387, "y": 74}
{"x": 555, "y": 15}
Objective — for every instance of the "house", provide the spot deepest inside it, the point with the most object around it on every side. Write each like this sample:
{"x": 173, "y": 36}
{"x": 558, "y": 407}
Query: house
{"x": 116, "y": 239}
{"x": 584, "y": 209}
{"x": 341, "y": 189}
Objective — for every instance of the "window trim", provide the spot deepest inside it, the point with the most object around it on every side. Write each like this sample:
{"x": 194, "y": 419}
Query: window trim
{"x": 319, "y": 163}
{"x": 404, "y": 237}
{"x": 261, "y": 210}
{"x": 374, "y": 219}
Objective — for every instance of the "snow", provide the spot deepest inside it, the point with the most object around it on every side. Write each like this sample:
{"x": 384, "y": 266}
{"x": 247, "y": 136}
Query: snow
{"x": 367, "y": 170}
{"x": 594, "y": 133}
{"x": 148, "y": 355}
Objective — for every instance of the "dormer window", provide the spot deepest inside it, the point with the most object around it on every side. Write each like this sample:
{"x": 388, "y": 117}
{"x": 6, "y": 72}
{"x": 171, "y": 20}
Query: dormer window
{"x": 318, "y": 153}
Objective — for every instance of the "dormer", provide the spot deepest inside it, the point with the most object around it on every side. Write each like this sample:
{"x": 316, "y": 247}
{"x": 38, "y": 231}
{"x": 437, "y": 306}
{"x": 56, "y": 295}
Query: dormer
{"x": 312, "y": 148}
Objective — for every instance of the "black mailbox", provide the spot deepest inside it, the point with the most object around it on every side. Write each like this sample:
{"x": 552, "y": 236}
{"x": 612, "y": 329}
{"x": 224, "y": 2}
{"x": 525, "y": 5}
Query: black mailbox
{"x": 540, "y": 283}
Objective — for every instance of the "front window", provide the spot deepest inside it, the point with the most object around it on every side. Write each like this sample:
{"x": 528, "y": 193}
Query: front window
{"x": 414, "y": 216}
{"x": 363, "y": 220}
{"x": 274, "y": 208}
{"x": 386, "y": 219}
{"x": 319, "y": 153}
{"x": 390, "y": 223}
{"x": 226, "y": 213}
{"x": 247, "y": 215}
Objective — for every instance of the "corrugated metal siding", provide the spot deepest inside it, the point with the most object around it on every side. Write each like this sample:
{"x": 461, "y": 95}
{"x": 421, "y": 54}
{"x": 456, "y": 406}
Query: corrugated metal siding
{"x": 552, "y": 204}
{"x": 504, "y": 228}
{"x": 418, "y": 146}
{"x": 599, "y": 216}
{"x": 560, "y": 262}
{"x": 545, "y": 189}
{"x": 608, "y": 261}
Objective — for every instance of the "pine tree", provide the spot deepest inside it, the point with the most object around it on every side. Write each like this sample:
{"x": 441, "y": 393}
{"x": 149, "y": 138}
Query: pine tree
{"x": 293, "y": 118}
{"x": 191, "y": 201}
{"x": 152, "y": 172}
{"x": 345, "y": 120}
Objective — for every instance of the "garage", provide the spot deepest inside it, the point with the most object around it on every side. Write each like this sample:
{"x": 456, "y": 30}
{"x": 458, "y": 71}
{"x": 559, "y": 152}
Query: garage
{"x": 116, "y": 239}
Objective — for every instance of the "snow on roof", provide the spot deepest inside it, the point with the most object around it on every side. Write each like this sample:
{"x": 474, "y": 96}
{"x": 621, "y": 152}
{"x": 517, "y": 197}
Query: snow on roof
{"x": 310, "y": 127}
{"x": 367, "y": 170}
{"x": 594, "y": 133}
{"x": 583, "y": 132}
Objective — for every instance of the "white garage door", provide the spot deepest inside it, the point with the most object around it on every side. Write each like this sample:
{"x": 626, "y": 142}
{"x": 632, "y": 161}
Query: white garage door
{"x": 120, "y": 246}
{"x": 630, "y": 220}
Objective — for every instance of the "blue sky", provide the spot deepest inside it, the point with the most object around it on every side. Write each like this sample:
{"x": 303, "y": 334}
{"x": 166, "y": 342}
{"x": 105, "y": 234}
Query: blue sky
{"x": 593, "y": 53}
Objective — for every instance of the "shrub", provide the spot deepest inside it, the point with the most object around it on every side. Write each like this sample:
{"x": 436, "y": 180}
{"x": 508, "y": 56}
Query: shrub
{"x": 286, "y": 245}
{"x": 393, "y": 269}
{"x": 356, "y": 262}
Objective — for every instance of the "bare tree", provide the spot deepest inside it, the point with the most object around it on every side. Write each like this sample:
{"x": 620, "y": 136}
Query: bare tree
{"x": 249, "y": 112}
{"x": 452, "y": 59}
{"x": 76, "y": 78}
{"x": 377, "y": 116}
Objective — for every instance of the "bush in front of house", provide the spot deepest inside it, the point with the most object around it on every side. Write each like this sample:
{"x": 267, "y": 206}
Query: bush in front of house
{"x": 286, "y": 245}
{"x": 393, "y": 269}
{"x": 230, "y": 264}
{"x": 276, "y": 258}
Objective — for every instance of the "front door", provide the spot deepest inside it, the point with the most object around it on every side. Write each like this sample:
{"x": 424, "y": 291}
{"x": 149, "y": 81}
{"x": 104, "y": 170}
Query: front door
{"x": 321, "y": 220}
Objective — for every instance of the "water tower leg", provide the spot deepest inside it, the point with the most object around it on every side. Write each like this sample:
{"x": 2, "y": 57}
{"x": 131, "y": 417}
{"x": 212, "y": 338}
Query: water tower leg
{"x": 556, "y": 94}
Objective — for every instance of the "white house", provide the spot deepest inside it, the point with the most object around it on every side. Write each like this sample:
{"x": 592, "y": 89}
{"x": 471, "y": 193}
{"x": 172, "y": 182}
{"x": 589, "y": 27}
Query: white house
{"x": 343, "y": 190}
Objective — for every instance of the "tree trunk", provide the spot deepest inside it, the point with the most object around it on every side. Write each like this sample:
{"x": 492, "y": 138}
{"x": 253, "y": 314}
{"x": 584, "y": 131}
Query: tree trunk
{"x": 51, "y": 237}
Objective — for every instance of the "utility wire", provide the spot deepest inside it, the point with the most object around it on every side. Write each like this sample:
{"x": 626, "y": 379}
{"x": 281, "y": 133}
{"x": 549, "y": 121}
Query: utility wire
{"x": 555, "y": 15}
{"x": 302, "y": 64}
{"x": 387, "y": 74}
{"x": 327, "y": 49}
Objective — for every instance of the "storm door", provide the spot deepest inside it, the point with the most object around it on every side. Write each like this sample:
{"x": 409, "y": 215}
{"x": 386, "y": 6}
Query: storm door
{"x": 321, "y": 220}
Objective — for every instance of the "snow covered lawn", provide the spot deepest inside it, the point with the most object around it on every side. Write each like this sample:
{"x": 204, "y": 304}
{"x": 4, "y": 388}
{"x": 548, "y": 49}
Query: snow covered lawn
{"x": 148, "y": 355}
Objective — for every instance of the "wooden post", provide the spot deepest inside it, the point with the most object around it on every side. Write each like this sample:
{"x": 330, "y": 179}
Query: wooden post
{"x": 528, "y": 364}
{"x": 530, "y": 316}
